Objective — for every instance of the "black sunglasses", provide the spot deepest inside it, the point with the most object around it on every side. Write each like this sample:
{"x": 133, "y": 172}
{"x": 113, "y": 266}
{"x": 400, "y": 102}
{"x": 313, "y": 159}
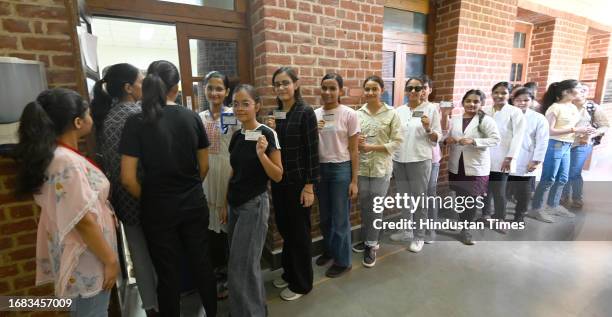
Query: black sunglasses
{"x": 415, "y": 88}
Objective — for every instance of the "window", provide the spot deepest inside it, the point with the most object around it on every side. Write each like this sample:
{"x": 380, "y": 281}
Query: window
{"x": 388, "y": 73}
{"x": 516, "y": 72}
{"x": 404, "y": 21}
{"x": 415, "y": 65}
{"x": 519, "y": 40}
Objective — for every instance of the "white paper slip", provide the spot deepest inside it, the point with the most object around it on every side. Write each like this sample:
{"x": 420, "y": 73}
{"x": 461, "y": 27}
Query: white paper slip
{"x": 228, "y": 118}
{"x": 280, "y": 115}
{"x": 252, "y": 135}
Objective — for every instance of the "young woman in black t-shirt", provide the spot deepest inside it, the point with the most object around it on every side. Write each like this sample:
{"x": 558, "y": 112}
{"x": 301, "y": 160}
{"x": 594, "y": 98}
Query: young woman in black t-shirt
{"x": 170, "y": 143}
{"x": 255, "y": 158}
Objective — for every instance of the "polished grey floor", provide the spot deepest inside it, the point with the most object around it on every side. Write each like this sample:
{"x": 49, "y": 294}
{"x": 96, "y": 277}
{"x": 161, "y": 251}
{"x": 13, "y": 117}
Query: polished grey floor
{"x": 518, "y": 274}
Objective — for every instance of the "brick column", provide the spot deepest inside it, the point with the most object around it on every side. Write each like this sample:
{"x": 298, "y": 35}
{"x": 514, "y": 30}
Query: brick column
{"x": 316, "y": 37}
{"x": 473, "y": 45}
{"x": 557, "y": 48}
{"x": 40, "y": 32}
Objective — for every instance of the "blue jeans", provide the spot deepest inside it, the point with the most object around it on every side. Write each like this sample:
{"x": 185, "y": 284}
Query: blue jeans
{"x": 579, "y": 155}
{"x": 334, "y": 210}
{"x": 555, "y": 173}
{"x": 95, "y": 306}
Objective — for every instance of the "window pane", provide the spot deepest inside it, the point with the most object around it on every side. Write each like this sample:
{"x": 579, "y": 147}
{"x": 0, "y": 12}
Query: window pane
{"x": 199, "y": 97}
{"x": 519, "y": 40}
{"x": 404, "y": 21}
{"x": 519, "y": 72}
{"x": 388, "y": 64}
{"x": 220, "y": 4}
{"x": 209, "y": 55}
{"x": 512, "y": 72}
{"x": 415, "y": 65}
{"x": 387, "y": 95}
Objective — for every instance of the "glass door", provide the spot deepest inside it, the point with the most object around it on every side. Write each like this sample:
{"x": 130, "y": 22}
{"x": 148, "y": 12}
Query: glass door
{"x": 203, "y": 49}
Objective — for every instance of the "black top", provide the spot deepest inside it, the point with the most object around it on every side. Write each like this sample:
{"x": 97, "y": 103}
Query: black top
{"x": 167, "y": 151}
{"x": 126, "y": 206}
{"x": 249, "y": 179}
{"x": 299, "y": 138}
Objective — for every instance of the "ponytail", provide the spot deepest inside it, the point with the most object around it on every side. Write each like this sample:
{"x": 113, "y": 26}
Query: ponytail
{"x": 161, "y": 77}
{"x": 42, "y": 121}
{"x": 154, "y": 93}
{"x": 555, "y": 91}
{"x": 109, "y": 90}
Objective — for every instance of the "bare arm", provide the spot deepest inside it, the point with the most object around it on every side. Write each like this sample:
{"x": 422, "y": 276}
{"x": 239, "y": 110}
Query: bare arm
{"x": 89, "y": 230}
{"x": 354, "y": 152}
{"x": 272, "y": 165}
{"x": 129, "y": 178}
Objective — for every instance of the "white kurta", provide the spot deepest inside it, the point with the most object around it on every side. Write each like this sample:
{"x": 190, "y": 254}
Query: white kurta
{"x": 511, "y": 126}
{"x": 219, "y": 168}
{"x": 535, "y": 143}
{"x": 416, "y": 145}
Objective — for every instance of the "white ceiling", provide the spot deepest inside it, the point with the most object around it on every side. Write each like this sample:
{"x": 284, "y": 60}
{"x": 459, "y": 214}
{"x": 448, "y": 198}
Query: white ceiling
{"x": 115, "y": 32}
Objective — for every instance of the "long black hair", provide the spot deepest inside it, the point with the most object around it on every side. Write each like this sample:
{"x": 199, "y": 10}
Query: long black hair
{"x": 161, "y": 77}
{"x": 477, "y": 92}
{"x": 337, "y": 78}
{"x": 555, "y": 91}
{"x": 42, "y": 121}
{"x": 109, "y": 90}
{"x": 297, "y": 95}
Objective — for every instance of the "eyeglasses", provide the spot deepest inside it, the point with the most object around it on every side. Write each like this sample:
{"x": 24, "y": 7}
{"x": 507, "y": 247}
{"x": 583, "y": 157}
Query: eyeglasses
{"x": 284, "y": 83}
{"x": 415, "y": 88}
{"x": 244, "y": 104}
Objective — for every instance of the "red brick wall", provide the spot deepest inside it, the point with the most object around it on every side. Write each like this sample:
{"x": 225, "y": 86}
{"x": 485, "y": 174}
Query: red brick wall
{"x": 472, "y": 45}
{"x": 34, "y": 30}
{"x": 316, "y": 37}
{"x": 557, "y": 48}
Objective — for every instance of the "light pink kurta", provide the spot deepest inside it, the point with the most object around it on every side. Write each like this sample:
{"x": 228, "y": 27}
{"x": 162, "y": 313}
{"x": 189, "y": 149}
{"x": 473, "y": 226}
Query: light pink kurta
{"x": 73, "y": 187}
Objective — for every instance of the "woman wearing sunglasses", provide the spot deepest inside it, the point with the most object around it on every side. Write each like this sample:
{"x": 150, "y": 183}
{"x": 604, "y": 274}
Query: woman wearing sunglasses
{"x": 420, "y": 129}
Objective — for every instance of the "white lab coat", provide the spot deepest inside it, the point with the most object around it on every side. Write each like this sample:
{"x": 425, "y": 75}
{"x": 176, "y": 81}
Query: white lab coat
{"x": 476, "y": 157}
{"x": 416, "y": 145}
{"x": 535, "y": 143}
{"x": 511, "y": 126}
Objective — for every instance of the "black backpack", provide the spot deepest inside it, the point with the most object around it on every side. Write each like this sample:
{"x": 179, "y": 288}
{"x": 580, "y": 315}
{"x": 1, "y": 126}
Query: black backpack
{"x": 590, "y": 107}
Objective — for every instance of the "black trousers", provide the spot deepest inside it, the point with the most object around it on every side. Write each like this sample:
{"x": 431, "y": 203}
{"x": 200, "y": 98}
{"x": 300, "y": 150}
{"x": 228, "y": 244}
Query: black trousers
{"x": 293, "y": 222}
{"x": 218, "y": 249}
{"x": 497, "y": 192}
{"x": 521, "y": 189}
{"x": 173, "y": 235}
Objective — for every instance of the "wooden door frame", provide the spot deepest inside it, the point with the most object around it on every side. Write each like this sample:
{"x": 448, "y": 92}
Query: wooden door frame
{"x": 160, "y": 11}
{"x": 521, "y": 55}
{"x": 185, "y": 31}
{"x": 600, "y": 82}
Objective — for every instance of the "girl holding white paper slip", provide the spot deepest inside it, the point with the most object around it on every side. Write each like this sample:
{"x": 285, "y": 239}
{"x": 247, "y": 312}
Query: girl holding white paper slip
{"x": 380, "y": 138}
{"x": 339, "y": 157}
{"x": 420, "y": 129}
{"x": 255, "y": 159}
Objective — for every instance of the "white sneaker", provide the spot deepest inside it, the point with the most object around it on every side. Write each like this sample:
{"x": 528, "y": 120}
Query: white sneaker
{"x": 429, "y": 241}
{"x": 280, "y": 283}
{"x": 560, "y": 211}
{"x": 289, "y": 295}
{"x": 540, "y": 215}
{"x": 416, "y": 246}
{"x": 401, "y": 236}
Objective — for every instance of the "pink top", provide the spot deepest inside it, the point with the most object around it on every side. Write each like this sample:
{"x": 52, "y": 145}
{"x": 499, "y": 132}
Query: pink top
{"x": 74, "y": 186}
{"x": 340, "y": 124}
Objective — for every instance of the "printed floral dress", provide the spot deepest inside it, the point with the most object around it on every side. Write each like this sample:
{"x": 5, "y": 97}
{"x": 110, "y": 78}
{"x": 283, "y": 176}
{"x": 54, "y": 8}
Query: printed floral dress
{"x": 73, "y": 187}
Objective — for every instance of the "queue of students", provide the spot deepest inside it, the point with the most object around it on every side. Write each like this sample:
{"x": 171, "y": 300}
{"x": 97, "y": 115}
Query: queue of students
{"x": 194, "y": 187}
